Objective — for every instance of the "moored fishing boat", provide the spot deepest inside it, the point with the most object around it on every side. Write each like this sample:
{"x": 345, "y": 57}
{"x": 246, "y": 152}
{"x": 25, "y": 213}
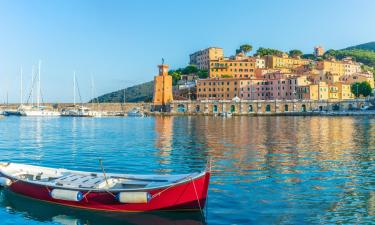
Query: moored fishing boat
{"x": 107, "y": 192}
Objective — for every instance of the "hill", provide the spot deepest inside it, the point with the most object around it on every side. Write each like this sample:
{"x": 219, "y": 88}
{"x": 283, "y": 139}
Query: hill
{"x": 367, "y": 46}
{"x": 137, "y": 93}
{"x": 364, "y": 53}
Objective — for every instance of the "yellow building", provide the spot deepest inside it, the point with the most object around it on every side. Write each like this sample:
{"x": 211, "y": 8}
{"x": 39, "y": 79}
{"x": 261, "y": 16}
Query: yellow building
{"x": 237, "y": 67}
{"x": 331, "y": 66}
{"x": 358, "y": 77}
{"x": 277, "y": 62}
{"x": 324, "y": 91}
{"x": 313, "y": 91}
{"x": 202, "y": 58}
{"x": 344, "y": 91}
{"x": 218, "y": 88}
{"x": 163, "y": 94}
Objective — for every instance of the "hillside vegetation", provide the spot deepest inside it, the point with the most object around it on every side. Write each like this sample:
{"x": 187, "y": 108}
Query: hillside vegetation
{"x": 137, "y": 93}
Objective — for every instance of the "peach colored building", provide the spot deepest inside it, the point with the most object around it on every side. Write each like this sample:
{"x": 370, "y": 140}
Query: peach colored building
{"x": 318, "y": 51}
{"x": 202, "y": 58}
{"x": 358, "y": 77}
{"x": 217, "y": 88}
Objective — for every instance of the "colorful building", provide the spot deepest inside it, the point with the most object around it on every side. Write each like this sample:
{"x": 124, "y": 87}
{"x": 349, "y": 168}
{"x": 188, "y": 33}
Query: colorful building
{"x": 318, "y": 51}
{"x": 238, "y": 66}
{"x": 276, "y": 62}
{"x": 217, "y": 89}
{"x": 260, "y": 63}
{"x": 358, "y": 77}
{"x": 202, "y": 58}
{"x": 162, "y": 88}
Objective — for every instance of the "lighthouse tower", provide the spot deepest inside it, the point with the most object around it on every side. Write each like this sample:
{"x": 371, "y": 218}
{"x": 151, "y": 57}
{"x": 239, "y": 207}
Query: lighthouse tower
{"x": 163, "y": 95}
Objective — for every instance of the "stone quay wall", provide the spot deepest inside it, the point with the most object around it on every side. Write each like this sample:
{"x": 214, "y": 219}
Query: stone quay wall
{"x": 266, "y": 107}
{"x": 252, "y": 107}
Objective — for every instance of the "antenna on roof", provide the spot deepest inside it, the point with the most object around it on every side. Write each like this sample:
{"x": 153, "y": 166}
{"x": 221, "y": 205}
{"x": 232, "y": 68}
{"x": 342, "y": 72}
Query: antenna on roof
{"x": 162, "y": 61}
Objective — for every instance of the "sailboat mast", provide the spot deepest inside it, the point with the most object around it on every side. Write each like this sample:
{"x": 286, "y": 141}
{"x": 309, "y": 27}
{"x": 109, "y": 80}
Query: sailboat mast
{"x": 39, "y": 88}
{"x": 74, "y": 88}
{"x": 21, "y": 91}
{"x": 32, "y": 85}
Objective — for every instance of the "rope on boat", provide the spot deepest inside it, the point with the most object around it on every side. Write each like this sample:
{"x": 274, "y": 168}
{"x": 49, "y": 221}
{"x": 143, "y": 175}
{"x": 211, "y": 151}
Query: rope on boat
{"x": 160, "y": 192}
{"x": 196, "y": 194}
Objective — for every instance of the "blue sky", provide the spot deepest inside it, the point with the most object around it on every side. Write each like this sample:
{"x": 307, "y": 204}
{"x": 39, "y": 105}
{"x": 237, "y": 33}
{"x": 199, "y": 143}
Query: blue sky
{"x": 119, "y": 43}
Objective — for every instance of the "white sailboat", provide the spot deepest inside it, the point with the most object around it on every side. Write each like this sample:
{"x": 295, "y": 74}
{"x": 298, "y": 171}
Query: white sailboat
{"x": 38, "y": 109}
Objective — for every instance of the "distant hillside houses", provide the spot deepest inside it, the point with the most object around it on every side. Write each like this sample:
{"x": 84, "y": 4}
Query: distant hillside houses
{"x": 272, "y": 74}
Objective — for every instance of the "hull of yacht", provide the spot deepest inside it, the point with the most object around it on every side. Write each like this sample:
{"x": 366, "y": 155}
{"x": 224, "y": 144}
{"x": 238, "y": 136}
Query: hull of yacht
{"x": 40, "y": 113}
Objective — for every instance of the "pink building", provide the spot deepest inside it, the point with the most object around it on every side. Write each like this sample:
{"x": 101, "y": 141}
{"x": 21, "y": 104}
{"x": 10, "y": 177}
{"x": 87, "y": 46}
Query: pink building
{"x": 272, "y": 86}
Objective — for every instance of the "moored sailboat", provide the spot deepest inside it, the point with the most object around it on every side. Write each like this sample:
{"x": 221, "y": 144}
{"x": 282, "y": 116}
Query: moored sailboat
{"x": 38, "y": 109}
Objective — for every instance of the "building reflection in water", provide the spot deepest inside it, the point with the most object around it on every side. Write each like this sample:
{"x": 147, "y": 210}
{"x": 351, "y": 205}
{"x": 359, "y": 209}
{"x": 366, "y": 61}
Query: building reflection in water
{"x": 164, "y": 138}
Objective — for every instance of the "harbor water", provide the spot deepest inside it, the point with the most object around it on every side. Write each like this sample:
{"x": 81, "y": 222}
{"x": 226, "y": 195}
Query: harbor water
{"x": 266, "y": 170}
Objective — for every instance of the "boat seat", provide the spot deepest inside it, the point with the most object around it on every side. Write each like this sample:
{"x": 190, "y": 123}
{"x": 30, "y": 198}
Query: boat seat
{"x": 79, "y": 181}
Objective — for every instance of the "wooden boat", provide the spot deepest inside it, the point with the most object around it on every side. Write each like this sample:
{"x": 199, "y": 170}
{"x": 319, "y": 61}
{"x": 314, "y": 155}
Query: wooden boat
{"x": 107, "y": 192}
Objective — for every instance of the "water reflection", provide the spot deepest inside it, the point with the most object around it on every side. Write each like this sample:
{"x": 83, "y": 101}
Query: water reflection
{"x": 268, "y": 170}
{"x": 45, "y": 212}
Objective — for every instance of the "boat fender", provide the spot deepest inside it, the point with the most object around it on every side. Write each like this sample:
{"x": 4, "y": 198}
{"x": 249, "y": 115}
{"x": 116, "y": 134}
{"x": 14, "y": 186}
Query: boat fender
{"x": 67, "y": 195}
{"x": 5, "y": 182}
{"x": 133, "y": 197}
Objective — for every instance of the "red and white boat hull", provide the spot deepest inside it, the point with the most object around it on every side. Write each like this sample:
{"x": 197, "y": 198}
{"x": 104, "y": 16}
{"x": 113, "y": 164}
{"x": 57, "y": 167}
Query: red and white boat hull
{"x": 189, "y": 194}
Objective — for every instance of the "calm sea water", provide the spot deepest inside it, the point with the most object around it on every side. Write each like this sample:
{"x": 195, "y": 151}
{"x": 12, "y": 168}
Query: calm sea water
{"x": 267, "y": 170}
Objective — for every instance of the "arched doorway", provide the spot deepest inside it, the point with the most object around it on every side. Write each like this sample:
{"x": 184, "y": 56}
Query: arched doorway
{"x": 286, "y": 108}
{"x": 350, "y": 107}
{"x": 320, "y": 108}
{"x": 197, "y": 108}
{"x": 303, "y": 108}
{"x": 268, "y": 108}
{"x": 215, "y": 109}
{"x": 336, "y": 107}
{"x": 181, "y": 108}
{"x": 250, "y": 108}
{"x": 232, "y": 108}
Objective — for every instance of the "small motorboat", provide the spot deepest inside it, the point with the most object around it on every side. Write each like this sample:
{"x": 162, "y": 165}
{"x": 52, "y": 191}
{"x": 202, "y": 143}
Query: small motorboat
{"x": 107, "y": 192}
{"x": 136, "y": 112}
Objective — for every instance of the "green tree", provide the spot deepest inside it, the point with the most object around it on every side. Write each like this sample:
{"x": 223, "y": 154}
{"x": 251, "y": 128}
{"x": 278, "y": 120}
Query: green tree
{"x": 202, "y": 74}
{"x": 245, "y": 48}
{"x": 363, "y": 88}
{"x": 190, "y": 69}
{"x": 355, "y": 89}
{"x": 176, "y": 75}
{"x": 267, "y": 51}
{"x": 295, "y": 53}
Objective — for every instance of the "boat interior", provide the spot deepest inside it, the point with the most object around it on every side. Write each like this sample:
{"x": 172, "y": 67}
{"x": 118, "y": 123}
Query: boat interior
{"x": 86, "y": 180}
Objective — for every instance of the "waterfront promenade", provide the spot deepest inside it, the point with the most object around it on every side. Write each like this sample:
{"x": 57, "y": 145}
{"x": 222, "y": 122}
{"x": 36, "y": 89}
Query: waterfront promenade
{"x": 242, "y": 107}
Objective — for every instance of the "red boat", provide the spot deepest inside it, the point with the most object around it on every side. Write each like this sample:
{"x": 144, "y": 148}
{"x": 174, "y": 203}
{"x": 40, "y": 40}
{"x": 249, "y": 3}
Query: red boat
{"x": 107, "y": 192}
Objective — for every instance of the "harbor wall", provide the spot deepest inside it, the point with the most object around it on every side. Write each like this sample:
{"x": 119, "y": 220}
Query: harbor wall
{"x": 253, "y": 107}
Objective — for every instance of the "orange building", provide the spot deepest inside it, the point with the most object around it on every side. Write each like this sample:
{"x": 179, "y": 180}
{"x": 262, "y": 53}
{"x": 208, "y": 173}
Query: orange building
{"x": 163, "y": 94}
